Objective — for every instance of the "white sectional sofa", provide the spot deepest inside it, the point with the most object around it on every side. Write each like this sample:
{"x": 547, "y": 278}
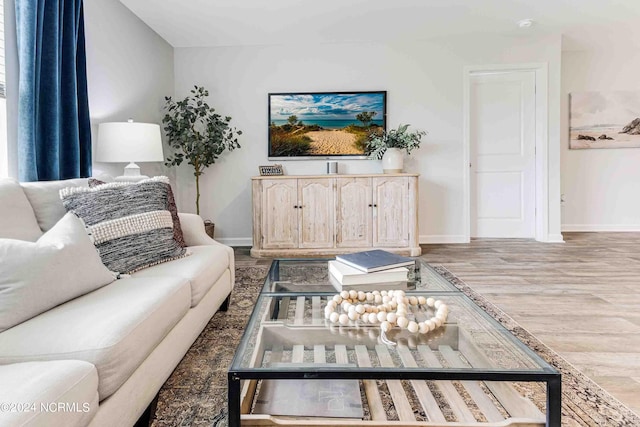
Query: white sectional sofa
{"x": 99, "y": 359}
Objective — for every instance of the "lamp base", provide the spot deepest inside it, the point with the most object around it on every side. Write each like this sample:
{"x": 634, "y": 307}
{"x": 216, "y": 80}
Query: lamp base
{"x": 127, "y": 178}
{"x": 131, "y": 174}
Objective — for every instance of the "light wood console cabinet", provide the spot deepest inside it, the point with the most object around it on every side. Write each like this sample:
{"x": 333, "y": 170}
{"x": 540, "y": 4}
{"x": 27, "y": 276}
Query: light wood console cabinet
{"x": 330, "y": 214}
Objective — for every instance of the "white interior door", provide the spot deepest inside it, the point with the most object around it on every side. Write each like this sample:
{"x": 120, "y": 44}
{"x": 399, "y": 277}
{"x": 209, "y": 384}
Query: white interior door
{"x": 502, "y": 155}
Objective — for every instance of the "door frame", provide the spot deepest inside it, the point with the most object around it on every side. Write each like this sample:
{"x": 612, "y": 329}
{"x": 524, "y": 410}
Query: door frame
{"x": 541, "y": 142}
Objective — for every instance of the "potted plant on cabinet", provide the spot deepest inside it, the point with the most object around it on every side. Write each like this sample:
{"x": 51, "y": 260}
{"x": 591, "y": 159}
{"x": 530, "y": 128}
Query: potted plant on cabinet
{"x": 388, "y": 146}
{"x": 198, "y": 134}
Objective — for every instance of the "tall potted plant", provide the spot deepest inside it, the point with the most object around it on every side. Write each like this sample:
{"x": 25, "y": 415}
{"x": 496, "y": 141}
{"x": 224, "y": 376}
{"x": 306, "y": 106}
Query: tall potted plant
{"x": 389, "y": 146}
{"x": 196, "y": 133}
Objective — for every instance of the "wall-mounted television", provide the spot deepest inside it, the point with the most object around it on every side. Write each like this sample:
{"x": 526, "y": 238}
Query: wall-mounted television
{"x": 324, "y": 125}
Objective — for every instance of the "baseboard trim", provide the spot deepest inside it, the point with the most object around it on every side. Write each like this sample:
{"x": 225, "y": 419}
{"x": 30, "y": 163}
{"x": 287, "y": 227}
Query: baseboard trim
{"x": 621, "y": 228}
{"x": 429, "y": 239}
{"x": 554, "y": 238}
{"x": 236, "y": 241}
{"x": 442, "y": 239}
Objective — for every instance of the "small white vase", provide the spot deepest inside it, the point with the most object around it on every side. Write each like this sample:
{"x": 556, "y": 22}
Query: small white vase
{"x": 393, "y": 160}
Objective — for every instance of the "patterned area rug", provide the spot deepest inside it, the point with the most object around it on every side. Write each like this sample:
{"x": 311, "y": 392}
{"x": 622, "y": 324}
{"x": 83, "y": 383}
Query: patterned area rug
{"x": 196, "y": 392}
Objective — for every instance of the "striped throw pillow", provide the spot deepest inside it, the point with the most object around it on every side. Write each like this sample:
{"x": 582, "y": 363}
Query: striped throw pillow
{"x": 177, "y": 227}
{"x": 130, "y": 224}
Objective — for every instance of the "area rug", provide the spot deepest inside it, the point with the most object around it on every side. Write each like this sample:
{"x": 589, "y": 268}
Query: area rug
{"x": 196, "y": 392}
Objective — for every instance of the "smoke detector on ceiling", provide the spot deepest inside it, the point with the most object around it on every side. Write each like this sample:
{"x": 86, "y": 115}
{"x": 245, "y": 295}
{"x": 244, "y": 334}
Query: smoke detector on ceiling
{"x": 525, "y": 23}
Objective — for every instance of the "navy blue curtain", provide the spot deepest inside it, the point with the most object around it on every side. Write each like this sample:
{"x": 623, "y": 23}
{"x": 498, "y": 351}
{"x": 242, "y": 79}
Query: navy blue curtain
{"x": 54, "y": 133}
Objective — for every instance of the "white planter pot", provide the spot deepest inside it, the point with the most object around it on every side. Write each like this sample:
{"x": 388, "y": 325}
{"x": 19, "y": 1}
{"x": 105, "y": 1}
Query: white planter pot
{"x": 393, "y": 160}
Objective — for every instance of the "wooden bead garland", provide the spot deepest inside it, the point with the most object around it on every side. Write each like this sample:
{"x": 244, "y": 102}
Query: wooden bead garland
{"x": 387, "y": 308}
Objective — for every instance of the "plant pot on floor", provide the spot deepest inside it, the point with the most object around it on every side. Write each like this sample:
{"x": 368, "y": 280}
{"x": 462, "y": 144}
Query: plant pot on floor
{"x": 209, "y": 228}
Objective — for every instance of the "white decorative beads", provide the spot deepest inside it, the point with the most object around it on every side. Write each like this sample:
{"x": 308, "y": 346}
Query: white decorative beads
{"x": 343, "y": 319}
{"x": 373, "y": 318}
{"x": 386, "y": 308}
{"x": 423, "y": 328}
{"x": 334, "y": 317}
{"x": 392, "y": 317}
{"x": 402, "y": 322}
{"x": 412, "y": 327}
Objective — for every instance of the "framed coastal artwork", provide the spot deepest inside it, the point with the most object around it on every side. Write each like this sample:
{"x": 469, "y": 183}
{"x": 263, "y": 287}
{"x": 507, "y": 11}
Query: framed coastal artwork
{"x": 604, "y": 119}
{"x": 324, "y": 125}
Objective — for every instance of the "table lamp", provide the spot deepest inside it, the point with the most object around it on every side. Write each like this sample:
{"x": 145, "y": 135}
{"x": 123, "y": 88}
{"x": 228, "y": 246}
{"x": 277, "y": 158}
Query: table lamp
{"x": 122, "y": 142}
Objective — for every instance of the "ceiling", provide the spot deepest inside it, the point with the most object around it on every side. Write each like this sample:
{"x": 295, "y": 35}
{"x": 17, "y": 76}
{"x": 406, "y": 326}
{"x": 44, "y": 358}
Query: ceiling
{"x": 583, "y": 24}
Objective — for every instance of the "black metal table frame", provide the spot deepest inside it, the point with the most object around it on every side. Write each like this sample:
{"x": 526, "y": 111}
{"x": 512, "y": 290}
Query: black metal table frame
{"x": 551, "y": 378}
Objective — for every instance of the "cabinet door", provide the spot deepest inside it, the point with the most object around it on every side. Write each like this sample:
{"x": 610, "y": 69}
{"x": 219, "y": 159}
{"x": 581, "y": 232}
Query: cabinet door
{"x": 316, "y": 213}
{"x": 391, "y": 214}
{"x": 279, "y": 214}
{"x": 354, "y": 213}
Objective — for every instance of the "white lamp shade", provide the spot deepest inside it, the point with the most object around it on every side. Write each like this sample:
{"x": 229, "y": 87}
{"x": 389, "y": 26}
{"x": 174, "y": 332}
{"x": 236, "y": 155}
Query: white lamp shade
{"x": 121, "y": 142}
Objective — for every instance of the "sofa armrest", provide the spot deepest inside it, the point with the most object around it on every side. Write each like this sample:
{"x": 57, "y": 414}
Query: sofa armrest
{"x": 194, "y": 235}
{"x": 193, "y": 230}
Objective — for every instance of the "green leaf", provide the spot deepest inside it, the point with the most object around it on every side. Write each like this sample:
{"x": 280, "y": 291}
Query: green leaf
{"x": 196, "y": 133}
{"x": 378, "y": 143}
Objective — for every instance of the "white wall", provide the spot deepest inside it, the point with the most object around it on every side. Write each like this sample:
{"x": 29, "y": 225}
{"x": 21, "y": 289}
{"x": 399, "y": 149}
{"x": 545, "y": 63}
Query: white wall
{"x": 600, "y": 186}
{"x": 424, "y": 81}
{"x": 129, "y": 71}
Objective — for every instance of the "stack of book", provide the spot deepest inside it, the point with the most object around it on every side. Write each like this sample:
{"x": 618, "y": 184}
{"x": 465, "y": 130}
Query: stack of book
{"x": 367, "y": 268}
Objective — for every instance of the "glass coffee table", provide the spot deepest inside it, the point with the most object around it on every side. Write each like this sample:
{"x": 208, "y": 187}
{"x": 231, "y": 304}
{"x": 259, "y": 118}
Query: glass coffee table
{"x": 462, "y": 373}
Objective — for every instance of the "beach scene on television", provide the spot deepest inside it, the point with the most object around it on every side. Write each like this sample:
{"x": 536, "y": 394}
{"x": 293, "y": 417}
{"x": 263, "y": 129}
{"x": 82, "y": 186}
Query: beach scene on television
{"x": 604, "y": 119}
{"x": 324, "y": 124}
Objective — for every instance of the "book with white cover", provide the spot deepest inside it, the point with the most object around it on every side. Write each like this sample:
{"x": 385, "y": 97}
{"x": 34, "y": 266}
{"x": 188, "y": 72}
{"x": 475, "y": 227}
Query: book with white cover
{"x": 375, "y": 260}
{"x": 347, "y": 275}
{"x": 383, "y": 286}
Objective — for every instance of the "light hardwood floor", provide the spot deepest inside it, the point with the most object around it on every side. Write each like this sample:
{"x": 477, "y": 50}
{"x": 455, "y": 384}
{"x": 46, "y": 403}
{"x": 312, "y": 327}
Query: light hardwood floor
{"x": 581, "y": 297}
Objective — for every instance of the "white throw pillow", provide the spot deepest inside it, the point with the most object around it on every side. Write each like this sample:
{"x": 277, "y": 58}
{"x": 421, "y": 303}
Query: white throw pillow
{"x": 17, "y": 219}
{"x": 44, "y": 197}
{"x": 35, "y": 277}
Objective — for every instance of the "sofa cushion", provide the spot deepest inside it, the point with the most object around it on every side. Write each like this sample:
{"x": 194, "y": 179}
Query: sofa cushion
{"x": 40, "y": 387}
{"x": 202, "y": 269}
{"x": 115, "y": 328}
{"x": 34, "y": 277}
{"x": 17, "y": 220}
{"x": 44, "y": 197}
{"x": 171, "y": 207}
{"x": 130, "y": 223}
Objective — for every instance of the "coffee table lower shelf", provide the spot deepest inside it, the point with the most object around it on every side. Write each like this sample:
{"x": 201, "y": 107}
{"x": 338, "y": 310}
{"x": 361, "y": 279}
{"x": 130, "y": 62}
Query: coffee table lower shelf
{"x": 407, "y": 417}
{"x": 467, "y": 402}
{"x": 270, "y": 420}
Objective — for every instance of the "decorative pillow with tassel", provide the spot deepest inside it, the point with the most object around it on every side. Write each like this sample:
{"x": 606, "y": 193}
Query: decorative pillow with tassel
{"x": 177, "y": 227}
{"x": 130, "y": 223}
